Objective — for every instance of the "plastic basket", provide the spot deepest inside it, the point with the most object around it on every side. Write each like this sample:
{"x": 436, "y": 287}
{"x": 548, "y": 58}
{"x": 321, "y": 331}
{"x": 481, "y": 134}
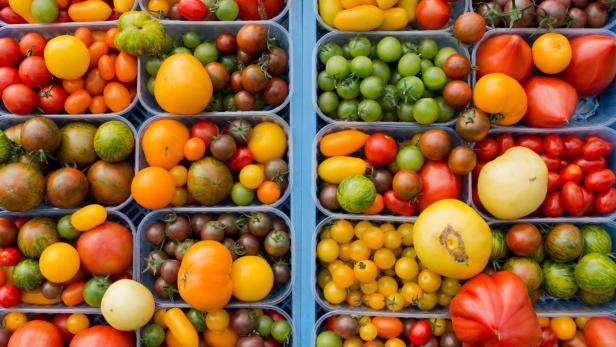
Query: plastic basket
{"x": 398, "y": 132}
{"x": 606, "y": 133}
{"x": 2, "y": 23}
{"x": 209, "y": 31}
{"x": 441, "y": 37}
{"x": 52, "y": 30}
{"x": 10, "y": 120}
{"x": 113, "y": 216}
{"x": 222, "y": 120}
{"x": 278, "y": 294}
{"x": 600, "y": 110}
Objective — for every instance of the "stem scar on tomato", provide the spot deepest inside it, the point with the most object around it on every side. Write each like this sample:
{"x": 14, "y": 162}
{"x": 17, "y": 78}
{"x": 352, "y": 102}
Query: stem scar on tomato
{"x": 452, "y": 241}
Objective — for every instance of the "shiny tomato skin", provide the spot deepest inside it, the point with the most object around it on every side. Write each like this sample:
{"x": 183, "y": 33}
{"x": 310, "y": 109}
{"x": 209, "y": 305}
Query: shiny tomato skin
{"x": 380, "y": 149}
{"x": 106, "y": 249}
{"x": 59, "y": 320}
{"x": 204, "y": 130}
{"x": 571, "y": 173}
{"x": 275, "y": 315}
{"x": 553, "y": 145}
{"x": 192, "y": 9}
{"x": 432, "y": 14}
{"x": 548, "y": 337}
{"x": 241, "y": 157}
{"x": 553, "y": 164}
{"x": 590, "y": 165}
{"x": 10, "y": 295}
{"x": 486, "y": 149}
{"x": 605, "y": 202}
{"x": 437, "y": 183}
{"x": 19, "y": 99}
{"x": 420, "y": 332}
{"x": 504, "y": 141}
{"x": 11, "y": 17}
{"x": 573, "y": 198}
{"x": 599, "y": 180}
{"x": 600, "y": 332}
{"x": 572, "y": 146}
{"x": 552, "y": 205}
{"x": 532, "y": 142}
{"x": 396, "y": 205}
{"x": 103, "y": 336}
{"x": 551, "y": 102}
{"x": 588, "y": 198}
{"x": 10, "y": 52}
{"x": 259, "y": 9}
{"x": 51, "y": 99}
{"x": 554, "y": 181}
{"x": 8, "y": 76}
{"x": 596, "y": 148}
{"x": 33, "y": 72}
{"x": 32, "y": 44}
{"x": 10, "y": 256}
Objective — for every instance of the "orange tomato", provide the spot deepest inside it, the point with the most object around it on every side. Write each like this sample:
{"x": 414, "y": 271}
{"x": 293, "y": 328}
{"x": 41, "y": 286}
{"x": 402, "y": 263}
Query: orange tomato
{"x": 106, "y": 67}
{"x": 163, "y": 143}
{"x": 194, "y": 149}
{"x": 72, "y": 86}
{"x": 98, "y": 105}
{"x": 180, "y": 197}
{"x": 89, "y": 11}
{"x": 268, "y": 192}
{"x": 126, "y": 67}
{"x": 564, "y": 327}
{"x": 78, "y": 102}
{"x": 220, "y": 338}
{"x": 153, "y": 187}
{"x": 132, "y": 92}
{"x": 97, "y": 49}
{"x": 73, "y": 294}
{"x": 95, "y": 83}
{"x": 377, "y": 205}
{"x": 116, "y": 96}
{"x": 388, "y": 327}
{"x": 98, "y": 35}
{"x": 62, "y": 3}
{"x": 551, "y": 53}
{"x": 158, "y": 8}
{"x": 85, "y": 35}
{"x": 110, "y": 37}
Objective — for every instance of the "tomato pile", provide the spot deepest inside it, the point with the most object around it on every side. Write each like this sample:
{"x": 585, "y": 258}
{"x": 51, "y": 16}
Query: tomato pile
{"x": 60, "y": 329}
{"x": 402, "y": 174}
{"x": 42, "y": 163}
{"x": 579, "y": 180}
{"x": 391, "y": 81}
{"x": 245, "y": 236}
{"x": 246, "y": 71}
{"x": 75, "y": 74}
{"x": 52, "y": 11}
{"x": 375, "y": 266}
{"x": 240, "y": 327}
{"x": 182, "y": 162}
{"x": 225, "y": 10}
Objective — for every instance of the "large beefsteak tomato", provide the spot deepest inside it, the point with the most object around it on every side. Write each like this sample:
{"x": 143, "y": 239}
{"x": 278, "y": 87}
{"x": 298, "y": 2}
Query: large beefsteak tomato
{"x": 106, "y": 249}
{"x": 495, "y": 311}
{"x": 551, "y": 102}
{"x": 502, "y": 97}
{"x": 438, "y": 182}
{"x": 508, "y": 54}
{"x": 593, "y": 64}
{"x": 36, "y": 333}
{"x": 600, "y": 332}
{"x": 103, "y": 336}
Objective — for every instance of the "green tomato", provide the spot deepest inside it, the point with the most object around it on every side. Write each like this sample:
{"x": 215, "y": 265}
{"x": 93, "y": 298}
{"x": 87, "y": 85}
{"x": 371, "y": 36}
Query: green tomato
{"x": 389, "y": 49}
{"x": 197, "y": 319}
{"x": 359, "y": 46}
{"x": 152, "y": 64}
{"x": 381, "y": 69}
{"x": 229, "y": 62}
{"x": 371, "y": 87}
{"x": 425, "y": 63}
{"x": 229, "y": 103}
{"x": 227, "y": 10}
{"x": 178, "y": 50}
{"x": 405, "y": 112}
{"x": 428, "y": 48}
{"x": 389, "y": 116}
{"x": 409, "y": 64}
{"x": 328, "y": 339}
{"x": 169, "y": 44}
{"x": 346, "y": 49}
{"x": 389, "y": 100}
{"x": 395, "y": 77}
{"x": 348, "y": 89}
{"x": 216, "y": 104}
{"x": 434, "y": 78}
{"x": 206, "y": 53}
{"x": 337, "y": 67}
{"x": 94, "y": 290}
{"x": 409, "y": 47}
{"x": 281, "y": 330}
{"x": 410, "y": 88}
{"x": 45, "y": 11}
{"x": 153, "y": 335}
{"x": 65, "y": 228}
{"x": 241, "y": 195}
{"x": 361, "y": 66}
{"x": 328, "y": 102}
{"x": 409, "y": 157}
{"x": 329, "y": 50}
{"x": 325, "y": 82}
{"x": 370, "y": 111}
{"x": 442, "y": 55}
{"x": 264, "y": 326}
{"x": 140, "y": 34}
{"x": 445, "y": 112}
{"x": 191, "y": 39}
{"x": 426, "y": 111}
{"x": 347, "y": 110}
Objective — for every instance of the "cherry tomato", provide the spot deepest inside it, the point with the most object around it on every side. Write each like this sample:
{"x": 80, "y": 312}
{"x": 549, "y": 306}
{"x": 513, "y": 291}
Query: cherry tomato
{"x": 126, "y": 67}
{"x": 486, "y": 149}
{"x": 194, "y": 149}
{"x": 10, "y": 256}
{"x": 553, "y": 145}
{"x": 106, "y": 67}
{"x": 98, "y": 105}
{"x": 420, "y": 332}
{"x": 11, "y": 17}
{"x": 78, "y": 102}
{"x": 596, "y": 148}
{"x": 51, "y": 99}
{"x": 548, "y": 337}
{"x": 97, "y": 50}
{"x": 589, "y": 165}
{"x": 531, "y": 142}
{"x": 457, "y": 66}
{"x": 432, "y": 14}
{"x": 117, "y": 97}
{"x": 33, "y": 72}
{"x": 225, "y": 43}
{"x": 72, "y": 86}
{"x": 19, "y": 99}
{"x": 599, "y": 180}
{"x": 244, "y": 101}
{"x": 8, "y": 76}
{"x": 275, "y": 92}
{"x": 110, "y": 36}
{"x": 239, "y": 159}
{"x": 605, "y": 202}
{"x": 192, "y": 9}
{"x": 553, "y": 164}
{"x": 504, "y": 141}
{"x": 94, "y": 82}
{"x": 10, "y": 52}
{"x": 554, "y": 180}
{"x": 10, "y": 295}
{"x": 85, "y": 35}
{"x": 204, "y": 130}
{"x": 255, "y": 10}
{"x": 32, "y": 44}
{"x": 397, "y": 205}
{"x": 275, "y": 315}
{"x": 380, "y": 149}
{"x": 572, "y": 146}
{"x": 588, "y": 198}
{"x": 571, "y": 173}
{"x": 572, "y": 198}
{"x": 20, "y": 221}
{"x": 457, "y": 93}
{"x": 552, "y": 205}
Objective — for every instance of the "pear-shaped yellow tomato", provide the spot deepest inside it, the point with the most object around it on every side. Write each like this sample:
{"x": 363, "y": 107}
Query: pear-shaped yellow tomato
{"x": 182, "y": 85}
{"x": 514, "y": 184}
{"x": 451, "y": 239}
{"x": 66, "y": 57}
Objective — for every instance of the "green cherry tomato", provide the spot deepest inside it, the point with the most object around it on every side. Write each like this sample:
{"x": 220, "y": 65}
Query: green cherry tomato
{"x": 409, "y": 47}
{"x": 370, "y": 111}
{"x": 337, "y": 67}
{"x": 361, "y": 66}
{"x": 445, "y": 112}
{"x": 264, "y": 326}
{"x": 153, "y": 335}
{"x": 197, "y": 319}
{"x": 191, "y": 39}
{"x": 405, "y": 112}
{"x": 372, "y": 87}
{"x": 325, "y": 82}
{"x": 425, "y": 63}
{"x": 328, "y": 102}
{"x": 389, "y": 49}
{"x": 328, "y": 339}
{"x": 348, "y": 89}
{"x": 65, "y": 228}
{"x": 359, "y": 46}
{"x": 428, "y": 48}
{"x": 389, "y": 100}
{"x": 425, "y": 111}
{"x": 281, "y": 330}
{"x": 409, "y": 157}
{"x": 169, "y": 44}
{"x": 329, "y": 50}
{"x": 178, "y": 50}
{"x": 381, "y": 69}
{"x": 346, "y": 49}
{"x": 241, "y": 195}
{"x": 434, "y": 78}
{"x": 347, "y": 110}
{"x": 206, "y": 53}
{"x": 227, "y": 10}
{"x": 442, "y": 55}
{"x": 152, "y": 64}
{"x": 409, "y": 64}
{"x": 229, "y": 103}
{"x": 395, "y": 77}
{"x": 229, "y": 62}
{"x": 389, "y": 116}
{"x": 410, "y": 88}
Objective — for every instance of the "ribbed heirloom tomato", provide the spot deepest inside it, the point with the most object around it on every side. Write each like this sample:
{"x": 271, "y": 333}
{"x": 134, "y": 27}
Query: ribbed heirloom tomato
{"x": 502, "y": 97}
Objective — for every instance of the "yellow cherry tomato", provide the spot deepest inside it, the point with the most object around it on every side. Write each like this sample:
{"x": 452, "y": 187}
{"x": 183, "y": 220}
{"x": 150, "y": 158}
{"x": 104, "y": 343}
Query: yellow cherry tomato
{"x": 395, "y": 302}
{"x": 395, "y": 19}
{"x": 543, "y": 321}
{"x": 387, "y": 285}
{"x": 335, "y": 169}
{"x": 354, "y": 3}
{"x": 354, "y": 341}
{"x": 328, "y": 250}
{"x": 359, "y": 250}
{"x": 14, "y": 320}
{"x": 361, "y": 228}
{"x": 564, "y": 327}
{"x": 406, "y": 268}
{"x": 408, "y": 252}
{"x": 368, "y": 332}
{"x": 395, "y": 342}
{"x": 551, "y": 53}
{"x": 439, "y": 325}
{"x": 365, "y": 271}
{"x": 406, "y": 231}
{"x": 323, "y": 278}
{"x": 429, "y": 281}
{"x": 159, "y": 317}
{"x": 328, "y": 10}
{"x": 251, "y": 176}
{"x": 581, "y": 322}
{"x": 359, "y": 18}
{"x": 354, "y": 298}
{"x": 411, "y": 292}
{"x": 89, "y": 11}
{"x": 88, "y": 217}
{"x": 66, "y": 56}
{"x": 123, "y": 5}
{"x": 267, "y": 141}
{"x": 369, "y": 287}
{"x": 427, "y": 301}
{"x": 77, "y": 322}
{"x": 333, "y": 294}
{"x": 217, "y": 320}
{"x": 443, "y": 299}
{"x": 375, "y": 301}
{"x": 342, "y": 231}
{"x": 409, "y": 6}
{"x": 384, "y": 258}
{"x": 374, "y": 238}
{"x": 345, "y": 252}
{"x": 59, "y": 262}
{"x": 393, "y": 238}
{"x": 450, "y": 286}
{"x": 343, "y": 276}
{"x": 158, "y": 8}
{"x": 179, "y": 174}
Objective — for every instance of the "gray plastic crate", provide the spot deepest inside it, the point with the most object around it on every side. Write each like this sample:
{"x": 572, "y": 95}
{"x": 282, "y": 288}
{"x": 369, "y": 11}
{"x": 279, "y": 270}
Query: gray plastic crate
{"x": 35, "y": 26}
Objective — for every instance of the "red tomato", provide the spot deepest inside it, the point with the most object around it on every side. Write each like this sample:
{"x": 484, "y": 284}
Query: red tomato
{"x": 599, "y": 180}
{"x": 59, "y": 320}
{"x": 420, "y": 332}
{"x": 572, "y": 198}
{"x": 32, "y": 44}
{"x": 600, "y": 332}
{"x": 433, "y": 14}
{"x": 605, "y": 202}
{"x": 8, "y": 76}
{"x": 10, "y": 52}
{"x": 33, "y": 72}
{"x": 551, "y": 102}
{"x": 10, "y": 256}
{"x": 553, "y": 205}
{"x": 106, "y": 249}
{"x": 437, "y": 183}
{"x": 329, "y": 323}
{"x": 380, "y": 149}
{"x": 10, "y": 295}
{"x": 51, "y": 99}
{"x": 259, "y": 9}
{"x": 239, "y": 159}
{"x": 388, "y": 327}
{"x": 103, "y": 336}
{"x": 11, "y": 17}
{"x": 554, "y": 181}
{"x": 504, "y": 141}
{"x": 564, "y": 162}
{"x": 590, "y": 165}
{"x": 508, "y": 54}
{"x": 19, "y": 99}
{"x": 548, "y": 337}
{"x": 572, "y": 146}
{"x": 275, "y": 315}
{"x": 204, "y": 130}
{"x": 396, "y": 205}
{"x": 588, "y": 200}
{"x": 553, "y": 164}
{"x": 571, "y": 173}
{"x": 532, "y": 142}
{"x": 36, "y": 333}
{"x": 486, "y": 149}
{"x": 596, "y": 148}
{"x": 20, "y": 221}
{"x": 192, "y": 9}
{"x": 553, "y": 145}
{"x": 271, "y": 342}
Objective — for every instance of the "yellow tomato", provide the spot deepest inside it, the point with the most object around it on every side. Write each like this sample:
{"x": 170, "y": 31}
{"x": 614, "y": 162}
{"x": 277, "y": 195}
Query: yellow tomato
{"x": 443, "y": 299}
{"x": 328, "y": 10}
{"x": 427, "y": 301}
{"x": 384, "y": 258}
{"x": 387, "y": 227}
{"x": 217, "y": 320}
{"x": 89, "y": 11}
{"x": 406, "y": 268}
{"x": 395, "y": 302}
{"x": 343, "y": 276}
{"x": 501, "y": 96}
{"x": 66, "y": 56}
{"x": 395, "y": 19}
{"x": 429, "y": 281}
{"x": 179, "y": 173}
{"x": 385, "y": 4}
{"x": 127, "y": 305}
{"x": 88, "y": 217}
{"x": 375, "y": 301}
{"x": 406, "y": 231}
{"x": 438, "y": 325}
{"x": 251, "y": 176}
{"x": 328, "y": 250}
{"x": 360, "y": 18}
{"x": 182, "y": 85}
{"x": 359, "y": 250}
{"x": 354, "y": 3}
{"x": 24, "y": 9}
{"x": 354, "y": 298}
{"x": 551, "y": 53}
{"x": 342, "y": 231}
{"x": 369, "y": 287}
{"x": 395, "y": 342}
{"x": 14, "y": 320}
{"x": 59, "y": 262}
{"x": 387, "y": 285}
{"x": 345, "y": 252}
{"x": 252, "y": 278}
{"x": 267, "y": 141}
{"x": 123, "y": 5}
{"x": 333, "y": 294}
{"x": 374, "y": 238}
{"x": 564, "y": 327}
{"x": 77, "y": 322}
{"x": 159, "y": 317}
{"x": 158, "y": 8}
{"x": 411, "y": 292}
{"x": 408, "y": 6}
{"x": 365, "y": 271}
{"x": 361, "y": 228}
{"x": 393, "y": 239}
{"x": 368, "y": 332}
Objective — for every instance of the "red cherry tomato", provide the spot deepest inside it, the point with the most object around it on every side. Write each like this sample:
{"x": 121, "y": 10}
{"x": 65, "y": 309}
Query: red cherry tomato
{"x": 32, "y": 44}
{"x": 10, "y": 52}
{"x": 486, "y": 149}
{"x": 552, "y": 205}
{"x": 329, "y": 324}
{"x": 33, "y": 72}
{"x": 275, "y": 315}
{"x": 51, "y": 99}
{"x": 548, "y": 337}
{"x": 553, "y": 164}
{"x": 380, "y": 149}
{"x": 192, "y": 9}
{"x": 554, "y": 181}
{"x": 10, "y": 256}
{"x": 589, "y": 165}
{"x": 8, "y": 76}
{"x": 596, "y": 148}
{"x": 420, "y": 332}
{"x": 572, "y": 146}
{"x": 532, "y": 142}
{"x": 571, "y": 173}
{"x": 11, "y": 17}
{"x": 10, "y": 295}
{"x": 397, "y": 205}
{"x": 59, "y": 320}
{"x": 204, "y": 130}
{"x": 605, "y": 202}
{"x": 433, "y": 14}
{"x": 588, "y": 199}
{"x": 599, "y": 180}
{"x": 241, "y": 158}
{"x": 271, "y": 342}
{"x": 573, "y": 198}
{"x": 19, "y": 99}
{"x": 553, "y": 146}
{"x": 504, "y": 141}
